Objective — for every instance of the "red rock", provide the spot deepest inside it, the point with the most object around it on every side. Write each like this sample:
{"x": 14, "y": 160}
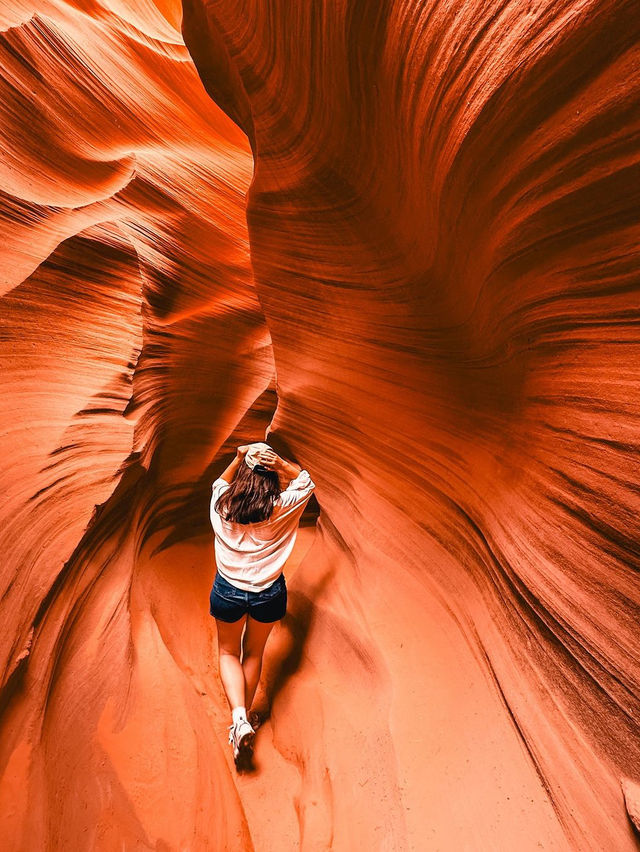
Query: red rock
{"x": 439, "y": 278}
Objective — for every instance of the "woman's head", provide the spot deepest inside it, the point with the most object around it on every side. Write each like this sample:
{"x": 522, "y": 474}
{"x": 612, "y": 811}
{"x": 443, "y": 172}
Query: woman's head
{"x": 250, "y": 497}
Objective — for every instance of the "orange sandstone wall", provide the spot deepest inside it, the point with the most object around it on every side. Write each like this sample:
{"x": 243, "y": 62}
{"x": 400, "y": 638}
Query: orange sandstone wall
{"x": 444, "y": 233}
{"x": 132, "y": 347}
{"x": 437, "y": 272}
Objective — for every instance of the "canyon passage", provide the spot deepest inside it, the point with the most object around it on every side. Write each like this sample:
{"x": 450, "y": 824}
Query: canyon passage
{"x": 400, "y": 241}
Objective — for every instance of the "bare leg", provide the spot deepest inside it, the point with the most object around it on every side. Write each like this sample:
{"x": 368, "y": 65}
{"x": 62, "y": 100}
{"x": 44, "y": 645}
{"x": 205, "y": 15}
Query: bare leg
{"x": 252, "y": 650}
{"x": 231, "y": 673}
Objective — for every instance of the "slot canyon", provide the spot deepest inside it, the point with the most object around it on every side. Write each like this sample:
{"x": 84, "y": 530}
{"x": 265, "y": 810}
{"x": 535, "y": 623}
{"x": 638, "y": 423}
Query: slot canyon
{"x": 399, "y": 240}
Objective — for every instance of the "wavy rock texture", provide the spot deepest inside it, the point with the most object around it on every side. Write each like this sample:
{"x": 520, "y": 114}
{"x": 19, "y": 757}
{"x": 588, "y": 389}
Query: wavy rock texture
{"x": 443, "y": 276}
{"x": 133, "y": 346}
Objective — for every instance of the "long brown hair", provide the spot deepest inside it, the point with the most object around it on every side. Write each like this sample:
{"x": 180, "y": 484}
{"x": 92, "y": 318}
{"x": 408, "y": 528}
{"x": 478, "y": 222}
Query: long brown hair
{"x": 250, "y": 497}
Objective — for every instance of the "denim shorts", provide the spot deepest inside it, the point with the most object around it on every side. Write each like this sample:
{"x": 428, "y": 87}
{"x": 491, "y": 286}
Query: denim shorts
{"x": 228, "y": 603}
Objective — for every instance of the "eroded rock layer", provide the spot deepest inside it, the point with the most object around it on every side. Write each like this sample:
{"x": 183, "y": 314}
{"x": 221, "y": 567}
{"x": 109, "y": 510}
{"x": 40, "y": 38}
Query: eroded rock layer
{"x": 444, "y": 231}
{"x": 440, "y": 280}
{"x": 133, "y": 347}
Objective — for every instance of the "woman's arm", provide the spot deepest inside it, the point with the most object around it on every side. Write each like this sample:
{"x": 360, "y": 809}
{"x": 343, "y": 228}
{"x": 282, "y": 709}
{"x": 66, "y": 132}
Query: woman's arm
{"x": 285, "y": 469}
{"x": 296, "y": 492}
{"x": 288, "y": 471}
{"x": 231, "y": 469}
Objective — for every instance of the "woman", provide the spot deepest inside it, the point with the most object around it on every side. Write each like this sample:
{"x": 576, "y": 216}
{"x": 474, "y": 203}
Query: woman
{"x": 256, "y": 505}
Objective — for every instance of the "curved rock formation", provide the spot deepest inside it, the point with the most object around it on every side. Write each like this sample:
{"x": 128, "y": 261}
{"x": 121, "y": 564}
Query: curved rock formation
{"x": 439, "y": 281}
{"x": 133, "y": 346}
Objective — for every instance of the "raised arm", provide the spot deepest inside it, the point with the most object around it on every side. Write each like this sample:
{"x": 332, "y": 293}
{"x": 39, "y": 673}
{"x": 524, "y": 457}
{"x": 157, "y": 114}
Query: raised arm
{"x": 230, "y": 471}
{"x": 288, "y": 472}
{"x": 295, "y": 482}
{"x": 285, "y": 469}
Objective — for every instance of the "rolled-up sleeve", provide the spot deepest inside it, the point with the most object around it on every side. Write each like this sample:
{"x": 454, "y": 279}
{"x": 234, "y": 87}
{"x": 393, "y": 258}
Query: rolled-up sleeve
{"x": 298, "y": 490}
{"x": 217, "y": 489}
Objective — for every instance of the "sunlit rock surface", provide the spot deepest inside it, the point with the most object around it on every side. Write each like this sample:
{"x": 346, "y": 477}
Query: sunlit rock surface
{"x": 435, "y": 309}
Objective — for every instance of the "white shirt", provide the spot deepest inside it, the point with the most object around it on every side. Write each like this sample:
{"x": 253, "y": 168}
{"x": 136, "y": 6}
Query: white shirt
{"x": 251, "y": 556}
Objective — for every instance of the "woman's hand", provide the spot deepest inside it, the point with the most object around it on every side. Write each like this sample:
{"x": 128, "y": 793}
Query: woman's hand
{"x": 271, "y": 460}
{"x": 286, "y": 470}
{"x": 242, "y": 451}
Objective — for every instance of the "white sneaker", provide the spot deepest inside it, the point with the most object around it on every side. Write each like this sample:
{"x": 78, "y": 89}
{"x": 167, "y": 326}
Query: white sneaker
{"x": 241, "y": 736}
